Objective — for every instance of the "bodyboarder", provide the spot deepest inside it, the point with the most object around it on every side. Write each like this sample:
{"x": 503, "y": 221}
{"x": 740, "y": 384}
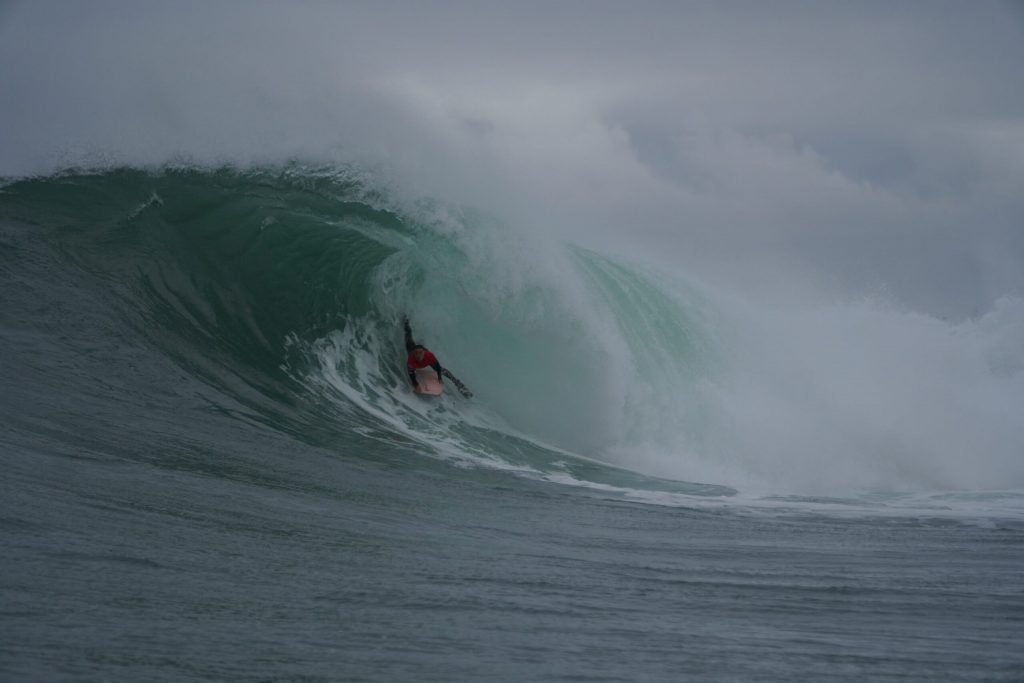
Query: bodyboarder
{"x": 421, "y": 357}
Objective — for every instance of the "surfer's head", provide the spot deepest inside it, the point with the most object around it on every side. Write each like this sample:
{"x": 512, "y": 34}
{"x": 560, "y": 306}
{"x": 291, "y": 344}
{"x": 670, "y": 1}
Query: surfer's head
{"x": 418, "y": 353}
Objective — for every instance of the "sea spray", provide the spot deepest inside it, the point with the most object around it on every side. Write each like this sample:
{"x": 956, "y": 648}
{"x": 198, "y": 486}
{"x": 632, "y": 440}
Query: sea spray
{"x": 283, "y": 288}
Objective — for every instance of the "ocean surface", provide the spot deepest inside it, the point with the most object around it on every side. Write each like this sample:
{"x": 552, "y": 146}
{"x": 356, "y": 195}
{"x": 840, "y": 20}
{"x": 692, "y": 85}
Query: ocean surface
{"x": 213, "y": 469}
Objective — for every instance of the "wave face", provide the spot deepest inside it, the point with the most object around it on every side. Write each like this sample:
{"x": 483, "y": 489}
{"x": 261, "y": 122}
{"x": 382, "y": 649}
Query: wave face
{"x": 281, "y": 289}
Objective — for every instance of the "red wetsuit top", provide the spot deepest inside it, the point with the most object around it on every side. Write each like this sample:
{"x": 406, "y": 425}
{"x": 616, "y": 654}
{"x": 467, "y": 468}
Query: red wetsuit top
{"x": 429, "y": 360}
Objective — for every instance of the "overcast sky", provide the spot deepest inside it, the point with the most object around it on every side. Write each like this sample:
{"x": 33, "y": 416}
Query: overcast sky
{"x": 871, "y": 146}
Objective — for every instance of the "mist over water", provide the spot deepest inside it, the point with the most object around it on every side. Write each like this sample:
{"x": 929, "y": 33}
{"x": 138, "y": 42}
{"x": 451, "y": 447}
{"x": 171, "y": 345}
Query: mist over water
{"x": 826, "y": 152}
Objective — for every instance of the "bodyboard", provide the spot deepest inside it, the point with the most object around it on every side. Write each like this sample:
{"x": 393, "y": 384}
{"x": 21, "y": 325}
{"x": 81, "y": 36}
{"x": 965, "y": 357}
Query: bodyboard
{"x": 429, "y": 386}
